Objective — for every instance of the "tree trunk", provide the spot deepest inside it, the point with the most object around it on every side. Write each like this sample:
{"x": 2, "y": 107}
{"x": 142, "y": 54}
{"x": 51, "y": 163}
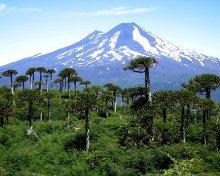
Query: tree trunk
{"x": 33, "y": 78}
{"x": 51, "y": 78}
{"x": 1, "y": 121}
{"x": 31, "y": 82}
{"x": 195, "y": 113}
{"x": 48, "y": 109}
{"x": 30, "y": 112}
{"x": 11, "y": 78}
{"x": 204, "y": 121}
{"x": 23, "y": 85}
{"x": 41, "y": 115}
{"x": 68, "y": 119}
{"x": 151, "y": 128}
{"x": 65, "y": 83}
{"x": 47, "y": 84}
{"x": 75, "y": 88}
{"x": 68, "y": 84}
{"x": 208, "y": 94}
{"x": 115, "y": 106}
{"x": 12, "y": 86}
{"x": 183, "y": 131}
{"x": 187, "y": 114}
{"x": 122, "y": 100}
{"x": 147, "y": 85}
{"x": 87, "y": 130}
{"x": 164, "y": 114}
{"x": 12, "y": 90}
{"x": 40, "y": 86}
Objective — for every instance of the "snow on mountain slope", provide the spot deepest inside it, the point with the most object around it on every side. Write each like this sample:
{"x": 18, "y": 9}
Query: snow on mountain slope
{"x": 127, "y": 41}
{"x": 116, "y": 47}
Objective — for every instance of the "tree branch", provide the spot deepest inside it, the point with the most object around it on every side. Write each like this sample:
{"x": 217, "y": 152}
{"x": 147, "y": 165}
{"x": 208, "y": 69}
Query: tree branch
{"x": 137, "y": 71}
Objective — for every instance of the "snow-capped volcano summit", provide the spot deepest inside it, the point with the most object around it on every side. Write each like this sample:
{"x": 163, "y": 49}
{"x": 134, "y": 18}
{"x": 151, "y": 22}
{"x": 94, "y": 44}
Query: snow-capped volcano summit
{"x": 103, "y": 54}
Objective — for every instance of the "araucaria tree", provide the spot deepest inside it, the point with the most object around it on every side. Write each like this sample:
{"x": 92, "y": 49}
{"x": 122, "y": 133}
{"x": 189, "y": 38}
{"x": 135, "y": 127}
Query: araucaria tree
{"x": 184, "y": 98}
{"x": 85, "y": 82}
{"x": 143, "y": 64}
{"x": 41, "y": 70}
{"x": 21, "y": 80}
{"x": 164, "y": 101}
{"x": 10, "y": 73}
{"x": 51, "y": 72}
{"x": 30, "y": 97}
{"x": 5, "y": 105}
{"x": 115, "y": 90}
{"x": 206, "y": 83}
{"x": 68, "y": 73}
{"x": 31, "y": 73}
{"x": 85, "y": 102}
{"x": 47, "y": 96}
{"x": 75, "y": 79}
{"x": 206, "y": 106}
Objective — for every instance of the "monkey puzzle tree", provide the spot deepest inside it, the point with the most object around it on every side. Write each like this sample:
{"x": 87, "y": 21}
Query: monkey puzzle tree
{"x": 184, "y": 97}
{"x": 75, "y": 79}
{"x": 104, "y": 100}
{"x": 85, "y": 102}
{"x": 134, "y": 93}
{"x": 51, "y": 72}
{"x": 67, "y": 105}
{"x": 46, "y": 76}
{"x": 31, "y": 73}
{"x": 62, "y": 77}
{"x": 59, "y": 83}
{"x": 39, "y": 84}
{"x": 21, "y": 80}
{"x": 68, "y": 73}
{"x": 47, "y": 96}
{"x": 115, "y": 90}
{"x": 10, "y": 73}
{"x": 85, "y": 82}
{"x": 96, "y": 90}
{"x": 143, "y": 123}
{"x": 206, "y": 106}
{"x": 41, "y": 70}
{"x": 5, "y": 104}
{"x": 164, "y": 101}
{"x": 206, "y": 83}
{"x": 190, "y": 86}
{"x": 30, "y": 97}
{"x": 143, "y": 64}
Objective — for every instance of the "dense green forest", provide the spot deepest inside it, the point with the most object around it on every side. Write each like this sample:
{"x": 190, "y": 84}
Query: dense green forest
{"x": 50, "y": 126}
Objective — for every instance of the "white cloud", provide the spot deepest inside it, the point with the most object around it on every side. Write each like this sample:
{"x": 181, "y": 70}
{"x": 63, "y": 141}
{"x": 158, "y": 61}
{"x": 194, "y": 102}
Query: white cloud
{"x": 18, "y": 9}
{"x": 24, "y": 9}
{"x": 2, "y": 6}
{"x": 115, "y": 11}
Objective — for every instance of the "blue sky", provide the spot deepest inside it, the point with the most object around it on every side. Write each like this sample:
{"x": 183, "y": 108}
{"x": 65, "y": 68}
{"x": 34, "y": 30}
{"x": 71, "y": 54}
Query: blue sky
{"x": 28, "y": 27}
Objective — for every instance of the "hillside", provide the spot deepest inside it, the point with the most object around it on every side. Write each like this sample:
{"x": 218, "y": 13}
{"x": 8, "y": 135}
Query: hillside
{"x": 58, "y": 152}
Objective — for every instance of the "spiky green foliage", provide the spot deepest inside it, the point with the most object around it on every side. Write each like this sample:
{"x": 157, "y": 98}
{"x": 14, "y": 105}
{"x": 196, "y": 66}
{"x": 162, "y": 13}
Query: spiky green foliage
{"x": 21, "y": 80}
{"x": 142, "y": 64}
{"x": 205, "y": 83}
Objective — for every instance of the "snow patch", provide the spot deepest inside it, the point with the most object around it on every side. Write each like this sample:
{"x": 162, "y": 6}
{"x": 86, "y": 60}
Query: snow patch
{"x": 113, "y": 40}
{"x": 143, "y": 42}
{"x": 96, "y": 53}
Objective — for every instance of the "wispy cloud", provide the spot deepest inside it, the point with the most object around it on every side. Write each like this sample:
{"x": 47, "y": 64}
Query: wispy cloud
{"x": 115, "y": 11}
{"x": 2, "y": 6}
{"x": 24, "y": 9}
